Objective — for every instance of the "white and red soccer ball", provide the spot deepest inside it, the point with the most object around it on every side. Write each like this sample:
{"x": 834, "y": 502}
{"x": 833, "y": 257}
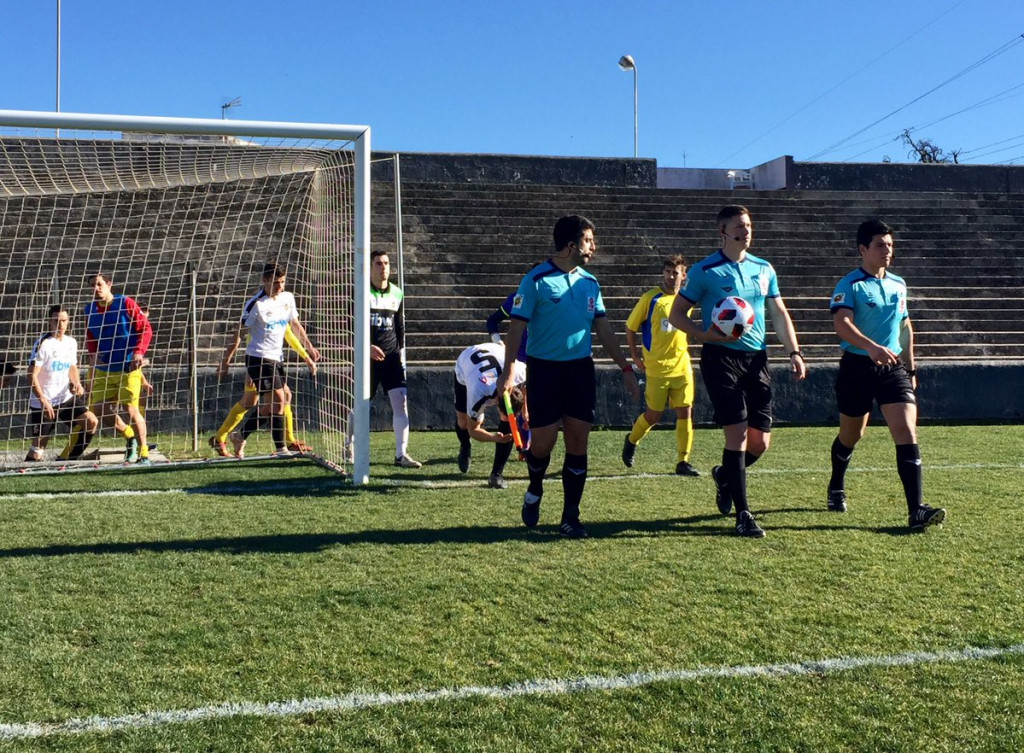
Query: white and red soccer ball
{"x": 733, "y": 316}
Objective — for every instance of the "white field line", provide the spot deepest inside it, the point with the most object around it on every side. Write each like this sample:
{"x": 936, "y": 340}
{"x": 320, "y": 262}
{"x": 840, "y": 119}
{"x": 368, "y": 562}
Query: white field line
{"x": 355, "y": 701}
{"x": 457, "y": 483}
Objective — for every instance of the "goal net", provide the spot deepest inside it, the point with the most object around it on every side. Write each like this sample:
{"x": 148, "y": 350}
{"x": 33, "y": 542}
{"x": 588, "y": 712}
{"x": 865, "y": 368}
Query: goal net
{"x": 181, "y": 215}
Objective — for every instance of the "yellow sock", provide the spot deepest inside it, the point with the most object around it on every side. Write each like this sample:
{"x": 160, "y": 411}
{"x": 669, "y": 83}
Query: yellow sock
{"x": 66, "y": 452}
{"x": 640, "y": 429}
{"x": 143, "y": 450}
{"x": 128, "y": 432}
{"x": 289, "y": 424}
{"x": 235, "y": 416}
{"x": 684, "y": 438}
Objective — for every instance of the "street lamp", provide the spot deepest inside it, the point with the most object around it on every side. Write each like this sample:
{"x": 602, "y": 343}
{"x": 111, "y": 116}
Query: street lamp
{"x": 627, "y": 63}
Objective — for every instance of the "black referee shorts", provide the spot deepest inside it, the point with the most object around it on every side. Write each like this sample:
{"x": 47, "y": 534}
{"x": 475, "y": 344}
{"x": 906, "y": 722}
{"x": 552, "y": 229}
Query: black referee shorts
{"x": 739, "y": 386}
{"x": 555, "y": 389}
{"x": 861, "y": 381}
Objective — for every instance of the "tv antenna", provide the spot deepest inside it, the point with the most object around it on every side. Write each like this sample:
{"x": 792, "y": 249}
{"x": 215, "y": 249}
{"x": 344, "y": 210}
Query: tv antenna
{"x": 236, "y": 102}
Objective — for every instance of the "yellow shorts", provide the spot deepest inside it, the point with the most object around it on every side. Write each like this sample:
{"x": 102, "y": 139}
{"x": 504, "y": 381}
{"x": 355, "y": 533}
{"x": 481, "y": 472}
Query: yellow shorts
{"x": 121, "y": 387}
{"x": 676, "y": 391}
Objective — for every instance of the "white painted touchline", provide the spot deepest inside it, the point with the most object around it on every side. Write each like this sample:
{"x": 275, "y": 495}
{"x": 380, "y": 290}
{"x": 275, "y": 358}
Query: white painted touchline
{"x": 529, "y": 688}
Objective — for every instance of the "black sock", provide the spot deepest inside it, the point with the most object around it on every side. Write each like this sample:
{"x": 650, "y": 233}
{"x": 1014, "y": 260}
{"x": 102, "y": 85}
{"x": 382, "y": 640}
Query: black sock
{"x": 252, "y": 423}
{"x": 734, "y": 472}
{"x": 908, "y": 465}
{"x": 277, "y": 430}
{"x": 536, "y": 468}
{"x": 574, "y": 478}
{"x": 750, "y": 458}
{"x": 841, "y": 455}
{"x": 502, "y": 450}
{"x": 463, "y": 436}
{"x": 83, "y": 440}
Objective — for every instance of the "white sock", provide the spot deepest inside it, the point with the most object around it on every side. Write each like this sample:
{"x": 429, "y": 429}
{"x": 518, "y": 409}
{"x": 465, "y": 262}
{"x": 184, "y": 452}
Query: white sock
{"x": 400, "y": 419}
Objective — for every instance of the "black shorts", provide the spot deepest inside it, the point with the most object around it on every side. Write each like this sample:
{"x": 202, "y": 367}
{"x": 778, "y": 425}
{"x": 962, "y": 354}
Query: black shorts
{"x": 267, "y": 375}
{"x": 461, "y": 395}
{"x": 861, "y": 381}
{"x": 555, "y": 389}
{"x": 40, "y": 426}
{"x": 390, "y": 373}
{"x": 739, "y": 386}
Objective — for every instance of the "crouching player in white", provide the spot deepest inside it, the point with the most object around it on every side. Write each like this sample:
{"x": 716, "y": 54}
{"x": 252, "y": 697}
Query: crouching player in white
{"x": 476, "y": 375}
{"x": 56, "y": 387}
{"x": 869, "y": 312}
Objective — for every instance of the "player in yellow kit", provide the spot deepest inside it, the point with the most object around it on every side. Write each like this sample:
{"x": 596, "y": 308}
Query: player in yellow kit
{"x": 662, "y": 355}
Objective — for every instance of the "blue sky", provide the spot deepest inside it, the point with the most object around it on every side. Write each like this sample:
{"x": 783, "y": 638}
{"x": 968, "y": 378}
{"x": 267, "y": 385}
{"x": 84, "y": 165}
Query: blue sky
{"x": 717, "y": 88}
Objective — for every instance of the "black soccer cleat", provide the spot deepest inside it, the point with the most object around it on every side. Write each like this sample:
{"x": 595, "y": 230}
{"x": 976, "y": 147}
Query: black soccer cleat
{"x": 531, "y": 509}
{"x": 573, "y": 529}
{"x": 837, "y": 500}
{"x": 925, "y": 516}
{"x": 747, "y": 527}
{"x": 465, "y": 457}
{"x": 685, "y": 469}
{"x": 497, "y": 481}
{"x": 628, "y": 453}
{"x": 722, "y": 497}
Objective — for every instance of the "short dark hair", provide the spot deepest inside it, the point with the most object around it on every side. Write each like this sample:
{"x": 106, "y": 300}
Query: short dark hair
{"x": 518, "y": 399}
{"x": 273, "y": 270}
{"x": 106, "y": 278}
{"x": 378, "y": 252}
{"x": 55, "y": 309}
{"x": 570, "y": 229}
{"x": 729, "y": 211}
{"x": 869, "y": 229}
{"x": 676, "y": 260}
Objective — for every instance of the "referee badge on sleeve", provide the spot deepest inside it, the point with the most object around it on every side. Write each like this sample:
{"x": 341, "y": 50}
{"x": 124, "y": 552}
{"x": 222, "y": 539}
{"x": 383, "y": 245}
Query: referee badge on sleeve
{"x": 839, "y": 298}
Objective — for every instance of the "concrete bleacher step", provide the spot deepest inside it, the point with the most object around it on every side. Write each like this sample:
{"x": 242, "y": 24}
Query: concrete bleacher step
{"x": 467, "y": 245}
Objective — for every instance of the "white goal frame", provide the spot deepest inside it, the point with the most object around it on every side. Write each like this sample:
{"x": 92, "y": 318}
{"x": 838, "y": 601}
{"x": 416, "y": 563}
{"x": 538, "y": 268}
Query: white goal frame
{"x": 359, "y": 135}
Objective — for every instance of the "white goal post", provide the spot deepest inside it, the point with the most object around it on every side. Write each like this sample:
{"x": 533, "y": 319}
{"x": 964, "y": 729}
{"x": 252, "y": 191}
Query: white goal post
{"x": 183, "y": 214}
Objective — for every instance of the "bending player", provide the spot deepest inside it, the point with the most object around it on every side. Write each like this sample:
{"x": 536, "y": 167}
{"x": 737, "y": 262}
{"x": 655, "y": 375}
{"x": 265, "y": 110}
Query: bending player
{"x": 56, "y": 389}
{"x": 476, "y": 374}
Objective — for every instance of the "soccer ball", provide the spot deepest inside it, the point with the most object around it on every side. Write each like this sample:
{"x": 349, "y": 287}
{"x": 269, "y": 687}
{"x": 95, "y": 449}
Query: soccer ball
{"x": 732, "y": 316}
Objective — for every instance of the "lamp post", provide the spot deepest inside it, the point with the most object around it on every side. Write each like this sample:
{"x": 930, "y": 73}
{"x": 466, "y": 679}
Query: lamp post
{"x": 627, "y": 63}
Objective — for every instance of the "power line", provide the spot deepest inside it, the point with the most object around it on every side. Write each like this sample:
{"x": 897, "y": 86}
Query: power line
{"x": 836, "y": 86}
{"x": 1015, "y": 41}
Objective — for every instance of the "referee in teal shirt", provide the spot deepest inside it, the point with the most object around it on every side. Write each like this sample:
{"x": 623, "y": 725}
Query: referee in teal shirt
{"x": 559, "y": 303}
{"x": 869, "y": 312}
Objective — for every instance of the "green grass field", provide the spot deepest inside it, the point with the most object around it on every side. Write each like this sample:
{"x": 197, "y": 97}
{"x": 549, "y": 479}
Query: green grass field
{"x": 417, "y": 614}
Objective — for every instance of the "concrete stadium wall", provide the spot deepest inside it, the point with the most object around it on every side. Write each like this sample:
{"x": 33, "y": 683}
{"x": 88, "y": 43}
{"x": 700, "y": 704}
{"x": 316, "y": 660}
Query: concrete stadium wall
{"x": 950, "y": 392}
{"x": 517, "y": 169}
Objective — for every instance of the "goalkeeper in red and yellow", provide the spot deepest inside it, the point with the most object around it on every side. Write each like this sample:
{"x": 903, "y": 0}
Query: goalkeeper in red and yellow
{"x": 117, "y": 337}
{"x": 666, "y": 362}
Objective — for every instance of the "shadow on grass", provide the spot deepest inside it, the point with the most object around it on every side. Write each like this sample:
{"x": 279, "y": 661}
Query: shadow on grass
{"x": 309, "y": 543}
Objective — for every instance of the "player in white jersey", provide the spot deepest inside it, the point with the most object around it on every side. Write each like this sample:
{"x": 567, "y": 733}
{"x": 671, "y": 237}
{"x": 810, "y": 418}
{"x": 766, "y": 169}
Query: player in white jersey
{"x": 476, "y": 375}
{"x": 56, "y": 387}
{"x": 266, "y": 316}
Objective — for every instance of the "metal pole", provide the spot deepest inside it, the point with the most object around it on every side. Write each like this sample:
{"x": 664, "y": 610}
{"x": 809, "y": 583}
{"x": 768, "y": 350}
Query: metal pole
{"x": 399, "y": 248}
{"x": 194, "y": 359}
{"x": 361, "y": 367}
{"x": 636, "y": 116}
{"x": 58, "y": 56}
